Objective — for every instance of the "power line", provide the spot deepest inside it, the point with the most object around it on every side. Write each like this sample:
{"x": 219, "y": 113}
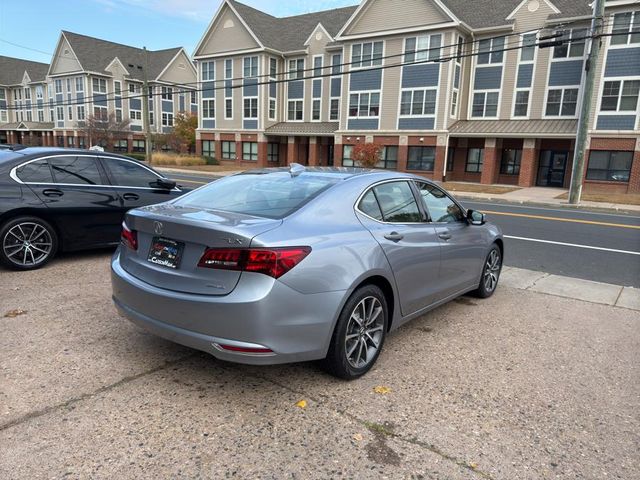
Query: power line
{"x": 545, "y": 44}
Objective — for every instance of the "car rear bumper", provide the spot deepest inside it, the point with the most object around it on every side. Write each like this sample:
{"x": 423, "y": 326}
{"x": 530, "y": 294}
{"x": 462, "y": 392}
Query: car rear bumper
{"x": 259, "y": 313}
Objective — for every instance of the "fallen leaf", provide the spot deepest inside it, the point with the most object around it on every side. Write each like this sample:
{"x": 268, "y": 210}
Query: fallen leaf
{"x": 382, "y": 390}
{"x": 473, "y": 465}
{"x": 302, "y": 404}
{"x": 358, "y": 437}
{"x": 14, "y": 313}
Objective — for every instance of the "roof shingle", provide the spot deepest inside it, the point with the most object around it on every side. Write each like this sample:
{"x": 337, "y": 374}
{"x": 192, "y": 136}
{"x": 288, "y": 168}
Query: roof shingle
{"x": 12, "y": 70}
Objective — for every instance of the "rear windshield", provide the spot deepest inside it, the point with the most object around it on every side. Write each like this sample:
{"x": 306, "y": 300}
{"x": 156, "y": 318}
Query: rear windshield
{"x": 273, "y": 195}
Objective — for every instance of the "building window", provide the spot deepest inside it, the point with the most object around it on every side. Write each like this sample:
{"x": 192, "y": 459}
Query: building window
{"x": 510, "y": 162}
{"x": 423, "y": 47}
{"x": 30, "y": 115}
{"x": 490, "y": 50}
{"x": 208, "y": 71}
{"x": 388, "y": 158}
{"x": 573, "y": 44}
{"x": 418, "y": 102}
{"x": 454, "y": 102}
{"x": 167, "y": 93}
{"x": 317, "y": 66}
{"x": 421, "y": 158}
{"x": 364, "y": 104}
{"x": 58, "y": 84}
{"x": 60, "y": 113}
{"x": 134, "y": 88}
{"x": 336, "y": 64}
{"x": 475, "y": 158}
{"x": 273, "y": 152}
{"x": 208, "y": 109}
{"x": 79, "y": 84}
{"x": 121, "y": 146}
{"x": 99, "y": 85}
{"x": 250, "y": 151}
{"x": 528, "y": 50}
{"x": 294, "y": 110}
{"x": 451, "y": 153}
{"x": 272, "y": 109}
{"x": 228, "y": 108}
{"x": 609, "y": 166}
{"x": 485, "y": 104}
{"x": 626, "y": 28}
{"x": 228, "y": 68}
{"x": 167, "y": 119}
{"x": 228, "y": 150}
{"x": 296, "y": 68}
{"x": 41, "y": 116}
{"x": 273, "y": 67}
{"x": 150, "y": 118}
{"x": 251, "y": 108}
{"x": 250, "y": 67}
{"x": 194, "y": 98}
{"x": 562, "y": 102}
{"x": 100, "y": 113}
{"x": 334, "y": 112}
{"x": 315, "y": 111}
{"x": 133, "y": 114}
{"x": 138, "y": 146}
{"x": 39, "y": 92}
{"x": 347, "y": 161}
{"x": 521, "y": 107}
{"x": 60, "y": 141}
{"x": 366, "y": 54}
{"x": 208, "y": 149}
{"x": 620, "y": 96}
{"x": 119, "y": 115}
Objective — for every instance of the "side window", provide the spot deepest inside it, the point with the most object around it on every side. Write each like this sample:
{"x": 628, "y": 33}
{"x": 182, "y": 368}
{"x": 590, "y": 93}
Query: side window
{"x": 369, "y": 206}
{"x": 129, "y": 174}
{"x": 397, "y": 203}
{"x": 35, "y": 172}
{"x": 440, "y": 207}
{"x": 75, "y": 170}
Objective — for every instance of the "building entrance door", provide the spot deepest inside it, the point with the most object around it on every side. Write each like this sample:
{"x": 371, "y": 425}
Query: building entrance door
{"x": 552, "y": 168}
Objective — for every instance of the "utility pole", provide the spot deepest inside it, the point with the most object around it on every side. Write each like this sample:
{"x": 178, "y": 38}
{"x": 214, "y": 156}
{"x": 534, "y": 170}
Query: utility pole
{"x": 145, "y": 109}
{"x": 577, "y": 173}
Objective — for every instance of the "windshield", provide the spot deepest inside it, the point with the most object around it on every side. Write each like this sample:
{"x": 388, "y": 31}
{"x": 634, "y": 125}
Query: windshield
{"x": 273, "y": 195}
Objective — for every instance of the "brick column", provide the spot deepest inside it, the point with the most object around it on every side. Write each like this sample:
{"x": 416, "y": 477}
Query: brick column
{"x": 292, "y": 156}
{"x": 337, "y": 155}
{"x": 262, "y": 155}
{"x": 438, "y": 167}
{"x": 313, "y": 151}
{"x": 528, "y": 163}
{"x": 403, "y": 154}
{"x": 238, "y": 151}
{"x": 490, "y": 167}
{"x": 634, "y": 177}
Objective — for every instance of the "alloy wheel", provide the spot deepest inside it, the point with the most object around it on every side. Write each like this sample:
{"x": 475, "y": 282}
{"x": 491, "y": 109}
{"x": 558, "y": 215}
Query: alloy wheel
{"x": 27, "y": 244}
{"x": 364, "y": 332}
{"x": 492, "y": 271}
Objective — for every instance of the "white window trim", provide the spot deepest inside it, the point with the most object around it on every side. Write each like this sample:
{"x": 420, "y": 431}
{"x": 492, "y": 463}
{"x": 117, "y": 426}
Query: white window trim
{"x": 313, "y": 65}
{"x": 361, "y": 67}
{"x": 491, "y": 48}
{"x": 257, "y": 58}
{"x": 339, "y": 109}
{"x": 484, "y": 109}
{"x": 204, "y": 110}
{"x": 629, "y": 43}
{"x": 295, "y": 100}
{"x": 451, "y": 84}
{"x": 411, "y": 115}
{"x": 225, "y": 108}
{"x": 290, "y": 72}
{"x": 419, "y": 50}
{"x": 313, "y": 100}
{"x": 563, "y": 88}
{"x": 568, "y": 58}
{"x": 202, "y": 71}
{"x": 257, "y": 107}
{"x": 360, "y": 92}
{"x": 617, "y": 112}
{"x": 513, "y": 104}
{"x": 275, "y": 110}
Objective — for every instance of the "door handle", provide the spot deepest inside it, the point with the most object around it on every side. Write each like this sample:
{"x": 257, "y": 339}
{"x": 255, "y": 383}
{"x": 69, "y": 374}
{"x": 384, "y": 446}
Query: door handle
{"x": 52, "y": 192}
{"x": 130, "y": 196}
{"x": 394, "y": 236}
{"x": 445, "y": 235}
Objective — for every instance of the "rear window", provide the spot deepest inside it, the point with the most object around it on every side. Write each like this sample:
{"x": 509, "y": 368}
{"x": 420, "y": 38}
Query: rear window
{"x": 273, "y": 195}
{"x": 35, "y": 172}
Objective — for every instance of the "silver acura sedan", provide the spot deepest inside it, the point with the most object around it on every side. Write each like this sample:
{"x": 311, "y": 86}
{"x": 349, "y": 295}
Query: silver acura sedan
{"x": 295, "y": 264}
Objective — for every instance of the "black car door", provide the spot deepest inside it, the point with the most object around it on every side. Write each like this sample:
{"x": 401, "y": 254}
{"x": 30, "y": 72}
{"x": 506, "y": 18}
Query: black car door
{"x": 135, "y": 183}
{"x": 78, "y": 198}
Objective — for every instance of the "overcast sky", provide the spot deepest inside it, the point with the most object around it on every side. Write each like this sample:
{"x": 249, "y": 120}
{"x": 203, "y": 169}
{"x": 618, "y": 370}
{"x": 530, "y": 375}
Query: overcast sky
{"x": 34, "y": 25}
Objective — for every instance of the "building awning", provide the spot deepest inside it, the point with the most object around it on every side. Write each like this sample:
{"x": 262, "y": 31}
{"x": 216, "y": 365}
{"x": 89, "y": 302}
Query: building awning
{"x": 35, "y": 126}
{"x": 307, "y": 129}
{"x": 515, "y": 128}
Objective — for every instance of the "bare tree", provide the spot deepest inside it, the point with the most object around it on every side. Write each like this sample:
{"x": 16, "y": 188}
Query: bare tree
{"x": 104, "y": 130}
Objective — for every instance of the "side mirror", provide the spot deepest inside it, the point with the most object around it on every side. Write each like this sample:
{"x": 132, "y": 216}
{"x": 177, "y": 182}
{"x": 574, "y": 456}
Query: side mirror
{"x": 476, "y": 218}
{"x": 163, "y": 184}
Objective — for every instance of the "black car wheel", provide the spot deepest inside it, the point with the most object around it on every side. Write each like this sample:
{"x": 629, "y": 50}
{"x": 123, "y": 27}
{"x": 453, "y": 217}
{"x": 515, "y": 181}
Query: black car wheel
{"x": 27, "y": 243}
{"x": 490, "y": 273}
{"x": 359, "y": 334}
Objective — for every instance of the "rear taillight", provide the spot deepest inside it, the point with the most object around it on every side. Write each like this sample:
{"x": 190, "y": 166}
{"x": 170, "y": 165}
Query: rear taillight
{"x": 274, "y": 262}
{"x": 129, "y": 237}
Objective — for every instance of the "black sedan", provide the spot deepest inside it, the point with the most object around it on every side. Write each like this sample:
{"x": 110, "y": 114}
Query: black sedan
{"x": 54, "y": 199}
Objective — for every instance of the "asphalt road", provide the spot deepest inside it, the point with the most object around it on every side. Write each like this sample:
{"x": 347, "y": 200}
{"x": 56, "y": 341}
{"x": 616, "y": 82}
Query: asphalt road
{"x": 597, "y": 246}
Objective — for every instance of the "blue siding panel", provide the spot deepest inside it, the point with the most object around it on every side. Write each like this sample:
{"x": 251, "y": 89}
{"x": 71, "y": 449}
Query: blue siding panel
{"x": 250, "y": 88}
{"x": 616, "y": 122}
{"x": 296, "y": 89}
{"x": 362, "y": 124}
{"x": 60, "y": 124}
{"x": 60, "y": 97}
{"x": 423, "y": 75}
{"x": 118, "y": 103}
{"x": 136, "y": 128}
{"x": 208, "y": 90}
{"x": 525, "y": 75}
{"x": 336, "y": 87}
{"x": 135, "y": 104}
{"x": 3, "y": 104}
{"x": 167, "y": 106}
{"x": 565, "y": 73}
{"x": 273, "y": 90}
{"x": 39, "y": 103}
{"x": 99, "y": 99}
{"x": 209, "y": 123}
{"x": 194, "y": 109}
{"x": 228, "y": 91}
{"x": 317, "y": 88}
{"x": 425, "y": 123}
{"x": 80, "y": 97}
{"x": 623, "y": 62}
{"x": 182, "y": 109}
{"x": 488, "y": 78}
{"x": 456, "y": 78}
{"x": 365, "y": 80}
{"x": 250, "y": 124}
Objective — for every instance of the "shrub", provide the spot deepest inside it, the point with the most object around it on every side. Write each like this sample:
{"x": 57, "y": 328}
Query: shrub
{"x": 366, "y": 155}
{"x": 136, "y": 156}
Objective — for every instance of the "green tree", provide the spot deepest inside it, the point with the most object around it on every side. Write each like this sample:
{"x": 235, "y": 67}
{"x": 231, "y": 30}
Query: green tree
{"x": 184, "y": 127}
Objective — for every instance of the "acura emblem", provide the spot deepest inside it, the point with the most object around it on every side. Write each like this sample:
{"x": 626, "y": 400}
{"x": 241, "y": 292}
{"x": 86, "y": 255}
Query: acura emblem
{"x": 157, "y": 227}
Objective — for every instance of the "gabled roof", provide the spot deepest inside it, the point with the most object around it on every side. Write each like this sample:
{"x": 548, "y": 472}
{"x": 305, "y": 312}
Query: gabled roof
{"x": 12, "y": 70}
{"x": 288, "y": 34}
{"x": 95, "y": 55}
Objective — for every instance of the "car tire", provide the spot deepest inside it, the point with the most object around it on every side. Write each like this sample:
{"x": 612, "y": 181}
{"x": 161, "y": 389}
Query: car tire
{"x": 27, "y": 243}
{"x": 490, "y": 273}
{"x": 356, "y": 344}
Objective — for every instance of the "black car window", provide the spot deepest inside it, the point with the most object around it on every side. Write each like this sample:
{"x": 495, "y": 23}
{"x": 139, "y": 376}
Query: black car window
{"x": 397, "y": 203}
{"x": 129, "y": 174}
{"x": 35, "y": 172}
{"x": 369, "y": 205}
{"x": 440, "y": 206}
{"x": 73, "y": 170}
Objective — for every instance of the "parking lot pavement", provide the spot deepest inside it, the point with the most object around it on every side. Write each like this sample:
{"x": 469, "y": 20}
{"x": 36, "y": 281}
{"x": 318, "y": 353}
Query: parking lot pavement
{"x": 524, "y": 385}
